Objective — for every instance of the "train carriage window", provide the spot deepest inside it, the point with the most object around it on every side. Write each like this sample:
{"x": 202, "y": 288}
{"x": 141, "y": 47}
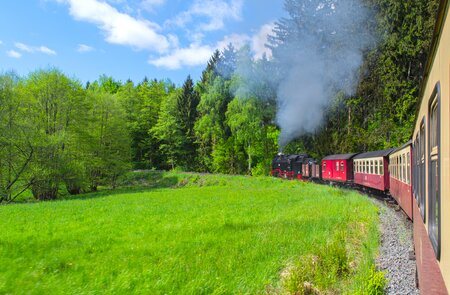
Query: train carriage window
{"x": 392, "y": 165}
{"x": 376, "y": 168}
{"x": 337, "y": 166}
{"x": 394, "y": 161}
{"x": 405, "y": 169}
{"x": 434, "y": 206}
{"x": 395, "y": 167}
{"x": 408, "y": 168}
{"x": 381, "y": 167}
{"x": 400, "y": 168}
{"x": 422, "y": 173}
{"x": 342, "y": 166}
{"x": 324, "y": 165}
{"x": 415, "y": 170}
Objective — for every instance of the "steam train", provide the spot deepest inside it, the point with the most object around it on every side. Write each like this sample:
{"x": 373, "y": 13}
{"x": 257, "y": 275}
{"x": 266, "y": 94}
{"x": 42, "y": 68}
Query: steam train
{"x": 416, "y": 175}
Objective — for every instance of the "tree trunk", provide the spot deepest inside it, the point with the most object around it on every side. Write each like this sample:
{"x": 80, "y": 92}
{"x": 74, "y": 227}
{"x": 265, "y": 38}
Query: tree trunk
{"x": 349, "y": 120}
{"x": 249, "y": 160}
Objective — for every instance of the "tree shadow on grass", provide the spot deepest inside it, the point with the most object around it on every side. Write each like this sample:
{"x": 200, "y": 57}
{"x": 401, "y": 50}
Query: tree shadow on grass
{"x": 136, "y": 182}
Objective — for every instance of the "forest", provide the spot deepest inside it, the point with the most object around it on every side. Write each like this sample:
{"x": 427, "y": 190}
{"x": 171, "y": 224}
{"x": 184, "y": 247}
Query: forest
{"x": 59, "y": 137}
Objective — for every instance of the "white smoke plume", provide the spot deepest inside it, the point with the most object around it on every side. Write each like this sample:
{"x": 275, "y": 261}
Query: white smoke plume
{"x": 320, "y": 59}
{"x": 317, "y": 53}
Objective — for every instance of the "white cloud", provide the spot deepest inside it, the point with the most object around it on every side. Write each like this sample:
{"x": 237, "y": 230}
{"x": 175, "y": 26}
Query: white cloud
{"x": 33, "y": 49}
{"x": 13, "y": 54}
{"x": 237, "y": 40}
{"x": 46, "y": 50}
{"x": 149, "y": 5}
{"x": 23, "y": 47}
{"x": 1, "y": 42}
{"x": 194, "y": 55}
{"x": 197, "y": 54}
{"x": 83, "y": 48}
{"x": 260, "y": 39}
{"x": 215, "y": 10}
{"x": 118, "y": 27}
{"x": 153, "y": 2}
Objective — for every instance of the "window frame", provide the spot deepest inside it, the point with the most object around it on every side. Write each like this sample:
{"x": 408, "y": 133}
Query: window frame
{"x": 433, "y": 155}
{"x": 408, "y": 167}
{"x": 422, "y": 170}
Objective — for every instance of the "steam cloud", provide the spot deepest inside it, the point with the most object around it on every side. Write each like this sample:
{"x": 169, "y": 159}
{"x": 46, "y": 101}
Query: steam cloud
{"x": 315, "y": 61}
{"x": 322, "y": 59}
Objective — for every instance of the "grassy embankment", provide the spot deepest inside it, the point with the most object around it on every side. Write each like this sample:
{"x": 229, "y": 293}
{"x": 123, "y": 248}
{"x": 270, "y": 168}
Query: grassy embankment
{"x": 194, "y": 234}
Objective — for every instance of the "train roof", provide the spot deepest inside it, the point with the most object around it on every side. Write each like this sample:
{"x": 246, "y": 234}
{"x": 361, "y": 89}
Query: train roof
{"x": 340, "y": 157}
{"x": 375, "y": 154}
{"x": 301, "y": 156}
{"x": 403, "y": 146}
{"x": 284, "y": 158}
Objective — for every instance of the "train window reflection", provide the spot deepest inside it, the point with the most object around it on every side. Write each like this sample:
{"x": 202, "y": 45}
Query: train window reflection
{"x": 434, "y": 206}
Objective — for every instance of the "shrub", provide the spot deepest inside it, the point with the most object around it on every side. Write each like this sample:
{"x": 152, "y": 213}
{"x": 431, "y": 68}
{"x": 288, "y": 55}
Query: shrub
{"x": 375, "y": 283}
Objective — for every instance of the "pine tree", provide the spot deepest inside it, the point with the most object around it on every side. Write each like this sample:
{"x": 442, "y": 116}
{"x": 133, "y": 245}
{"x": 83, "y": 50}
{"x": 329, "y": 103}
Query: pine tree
{"x": 187, "y": 115}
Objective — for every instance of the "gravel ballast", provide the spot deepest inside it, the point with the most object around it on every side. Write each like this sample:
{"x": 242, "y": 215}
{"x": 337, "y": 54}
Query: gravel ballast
{"x": 396, "y": 257}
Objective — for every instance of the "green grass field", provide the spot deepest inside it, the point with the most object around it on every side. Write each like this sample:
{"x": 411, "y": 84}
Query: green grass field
{"x": 191, "y": 234}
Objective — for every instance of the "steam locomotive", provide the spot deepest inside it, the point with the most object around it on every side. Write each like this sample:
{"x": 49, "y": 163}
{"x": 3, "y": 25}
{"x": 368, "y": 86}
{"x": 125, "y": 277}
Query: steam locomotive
{"x": 416, "y": 174}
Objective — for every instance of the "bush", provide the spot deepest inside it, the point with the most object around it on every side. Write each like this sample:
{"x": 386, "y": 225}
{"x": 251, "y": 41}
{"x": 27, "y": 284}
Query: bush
{"x": 375, "y": 283}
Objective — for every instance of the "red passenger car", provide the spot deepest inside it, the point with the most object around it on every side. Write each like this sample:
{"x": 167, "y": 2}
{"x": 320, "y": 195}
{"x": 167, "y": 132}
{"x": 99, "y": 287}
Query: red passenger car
{"x": 371, "y": 169}
{"x": 400, "y": 178}
{"x": 338, "y": 167}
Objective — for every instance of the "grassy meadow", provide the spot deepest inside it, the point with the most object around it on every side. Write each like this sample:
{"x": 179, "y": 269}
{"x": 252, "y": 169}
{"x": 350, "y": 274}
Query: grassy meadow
{"x": 175, "y": 233}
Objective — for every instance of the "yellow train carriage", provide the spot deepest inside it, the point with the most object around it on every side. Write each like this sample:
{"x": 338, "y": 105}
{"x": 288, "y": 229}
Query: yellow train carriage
{"x": 431, "y": 167}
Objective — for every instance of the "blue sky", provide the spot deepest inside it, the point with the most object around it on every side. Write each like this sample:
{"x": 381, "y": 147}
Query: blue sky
{"x": 129, "y": 38}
